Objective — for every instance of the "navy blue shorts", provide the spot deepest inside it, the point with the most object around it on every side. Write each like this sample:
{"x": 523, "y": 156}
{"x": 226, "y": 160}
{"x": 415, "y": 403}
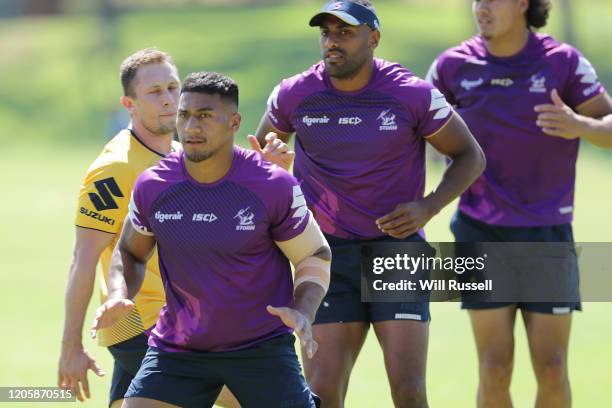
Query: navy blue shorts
{"x": 467, "y": 229}
{"x": 342, "y": 303}
{"x": 128, "y": 355}
{"x": 267, "y": 375}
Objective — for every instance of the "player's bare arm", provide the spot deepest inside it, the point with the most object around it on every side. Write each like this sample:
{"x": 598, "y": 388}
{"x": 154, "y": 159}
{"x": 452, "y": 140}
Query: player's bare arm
{"x": 266, "y": 127}
{"x": 125, "y": 277}
{"x": 591, "y": 121}
{"x": 75, "y": 360}
{"x": 468, "y": 162}
{"x": 311, "y": 256}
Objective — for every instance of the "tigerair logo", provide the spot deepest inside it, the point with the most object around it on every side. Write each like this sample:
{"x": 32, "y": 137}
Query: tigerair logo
{"x": 467, "y": 85}
{"x": 245, "y": 220}
{"x": 107, "y": 189}
{"x": 163, "y": 217}
{"x": 299, "y": 205}
{"x": 308, "y": 121}
{"x": 387, "y": 120}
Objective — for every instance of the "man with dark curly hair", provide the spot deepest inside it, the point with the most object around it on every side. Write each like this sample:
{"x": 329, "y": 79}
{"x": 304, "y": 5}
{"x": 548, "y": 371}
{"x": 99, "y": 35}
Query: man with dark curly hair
{"x": 528, "y": 99}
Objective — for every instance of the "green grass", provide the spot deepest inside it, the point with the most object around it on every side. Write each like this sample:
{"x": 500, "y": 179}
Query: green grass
{"x": 42, "y": 182}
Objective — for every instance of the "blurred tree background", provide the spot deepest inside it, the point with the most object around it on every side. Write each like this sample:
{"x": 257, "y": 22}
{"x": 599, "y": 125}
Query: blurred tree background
{"x": 59, "y": 58}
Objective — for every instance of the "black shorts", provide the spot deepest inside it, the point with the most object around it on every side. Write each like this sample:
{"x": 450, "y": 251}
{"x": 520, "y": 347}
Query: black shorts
{"x": 127, "y": 355}
{"x": 467, "y": 229}
{"x": 267, "y": 375}
{"x": 342, "y": 303}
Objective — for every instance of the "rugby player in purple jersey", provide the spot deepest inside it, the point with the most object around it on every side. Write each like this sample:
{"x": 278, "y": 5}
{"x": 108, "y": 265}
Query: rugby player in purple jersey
{"x": 528, "y": 99}
{"x": 361, "y": 126}
{"x": 226, "y": 223}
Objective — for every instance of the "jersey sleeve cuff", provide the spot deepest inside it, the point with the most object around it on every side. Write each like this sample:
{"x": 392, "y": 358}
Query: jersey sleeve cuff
{"x": 140, "y": 229}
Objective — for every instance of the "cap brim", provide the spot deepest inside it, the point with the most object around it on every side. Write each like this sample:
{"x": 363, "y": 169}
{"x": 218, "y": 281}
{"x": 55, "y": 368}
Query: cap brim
{"x": 347, "y": 18}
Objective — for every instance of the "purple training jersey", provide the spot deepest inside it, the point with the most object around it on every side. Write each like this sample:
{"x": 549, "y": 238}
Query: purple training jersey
{"x": 217, "y": 253}
{"x": 358, "y": 154}
{"x": 529, "y": 178}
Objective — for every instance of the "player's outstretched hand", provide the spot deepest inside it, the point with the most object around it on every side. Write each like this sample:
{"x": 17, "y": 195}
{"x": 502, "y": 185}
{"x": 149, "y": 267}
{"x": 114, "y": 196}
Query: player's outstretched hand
{"x": 109, "y": 313}
{"x": 275, "y": 151}
{"x": 73, "y": 365}
{"x": 558, "y": 119}
{"x": 405, "y": 220}
{"x": 300, "y": 325}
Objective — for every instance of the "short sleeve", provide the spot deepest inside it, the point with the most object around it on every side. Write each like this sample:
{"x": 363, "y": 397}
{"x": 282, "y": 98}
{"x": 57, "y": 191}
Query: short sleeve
{"x": 435, "y": 76}
{"x": 290, "y": 213}
{"x": 432, "y": 111}
{"x": 583, "y": 83}
{"x": 277, "y": 110}
{"x": 103, "y": 198}
{"x": 138, "y": 211}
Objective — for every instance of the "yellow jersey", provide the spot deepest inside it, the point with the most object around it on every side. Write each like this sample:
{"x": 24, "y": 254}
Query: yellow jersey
{"x": 103, "y": 205}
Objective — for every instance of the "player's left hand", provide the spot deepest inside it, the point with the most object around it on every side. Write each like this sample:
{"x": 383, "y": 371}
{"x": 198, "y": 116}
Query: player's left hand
{"x": 406, "y": 219}
{"x": 275, "y": 151}
{"x": 558, "y": 119}
{"x": 109, "y": 313}
{"x": 300, "y": 325}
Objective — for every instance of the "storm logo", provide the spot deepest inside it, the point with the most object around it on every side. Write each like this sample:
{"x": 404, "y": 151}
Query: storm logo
{"x": 387, "y": 120}
{"x": 245, "y": 220}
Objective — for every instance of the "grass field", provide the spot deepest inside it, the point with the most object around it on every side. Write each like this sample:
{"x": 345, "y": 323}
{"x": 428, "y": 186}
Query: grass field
{"x": 58, "y": 86}
{"x": 42, "y": 182}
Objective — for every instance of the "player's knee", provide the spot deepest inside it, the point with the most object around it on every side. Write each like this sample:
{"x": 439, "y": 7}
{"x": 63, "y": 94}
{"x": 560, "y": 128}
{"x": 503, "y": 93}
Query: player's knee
{"x": 496, "y": 369}
{"x": 410, "y": 392}
{"x": 551, "y": 369}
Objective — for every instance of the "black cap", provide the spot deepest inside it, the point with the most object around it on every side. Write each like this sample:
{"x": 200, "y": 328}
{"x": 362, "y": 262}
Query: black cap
{"x": 351, "y": 13}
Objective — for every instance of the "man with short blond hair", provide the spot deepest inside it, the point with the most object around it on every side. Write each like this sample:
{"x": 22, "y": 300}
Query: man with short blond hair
{"x": 151, "y": 85}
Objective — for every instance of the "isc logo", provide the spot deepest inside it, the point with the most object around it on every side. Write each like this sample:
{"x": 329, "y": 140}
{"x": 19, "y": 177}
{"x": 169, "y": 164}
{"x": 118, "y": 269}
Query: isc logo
{"x": 350, "y": 121}
{"x": 204, "y": 217}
